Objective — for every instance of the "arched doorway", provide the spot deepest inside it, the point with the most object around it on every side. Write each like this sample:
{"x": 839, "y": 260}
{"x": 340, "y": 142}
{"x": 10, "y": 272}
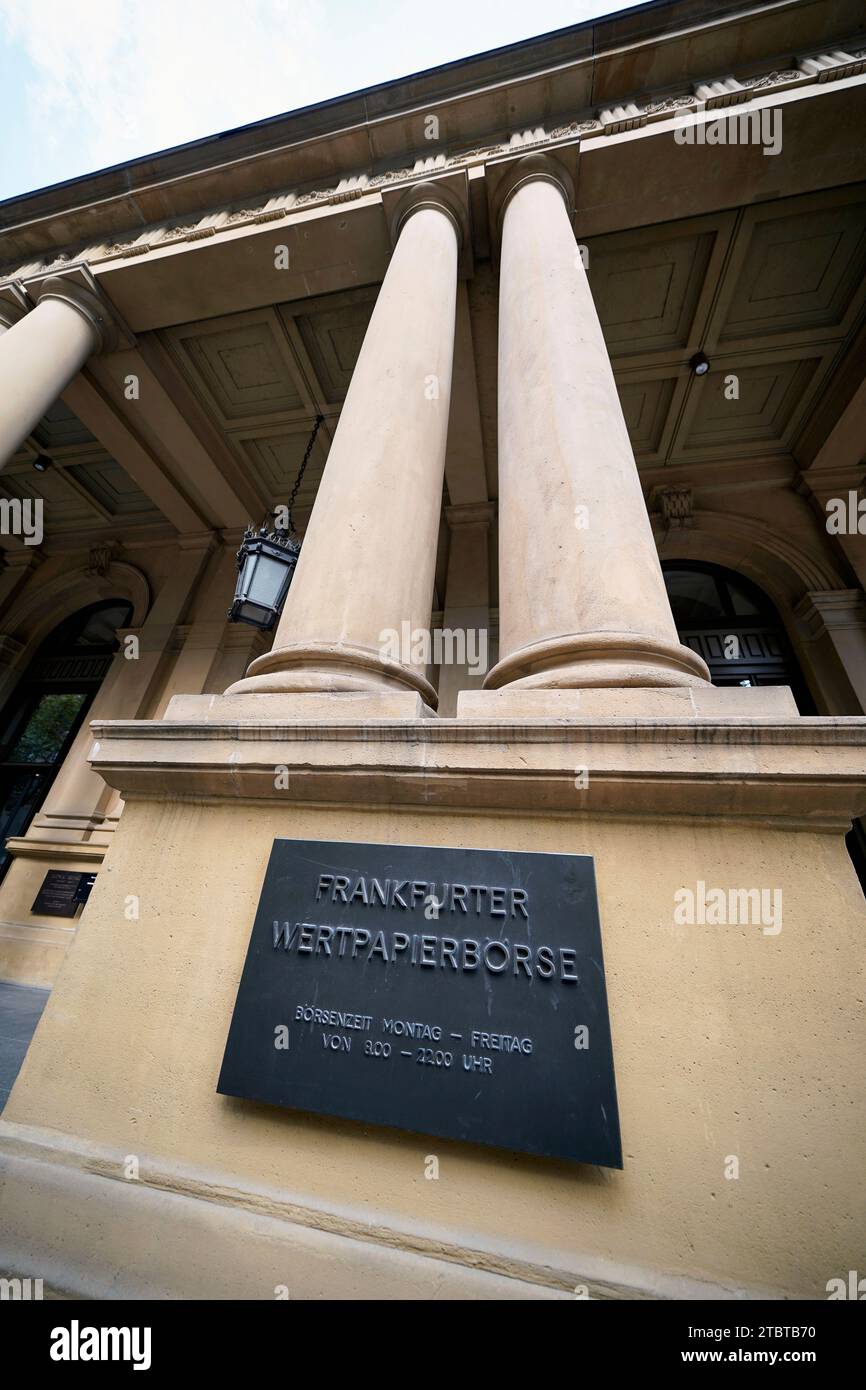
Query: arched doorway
{"x": 734, "y": 626}
{"x": 48, "y": 707}
{"x": 713, "y": 605}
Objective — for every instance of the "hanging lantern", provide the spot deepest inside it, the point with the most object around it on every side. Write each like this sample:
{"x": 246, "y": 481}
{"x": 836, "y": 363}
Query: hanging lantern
{"x": 266, "y": 563}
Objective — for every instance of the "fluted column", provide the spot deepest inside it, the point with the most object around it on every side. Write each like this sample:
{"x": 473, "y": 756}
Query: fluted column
{"x": 582, "y": 597}
{"x": 42, "y": 352}
{"x": 368, "y": 559}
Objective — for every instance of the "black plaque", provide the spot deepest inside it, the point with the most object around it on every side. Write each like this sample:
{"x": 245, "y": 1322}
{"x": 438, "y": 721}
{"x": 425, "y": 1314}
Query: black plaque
{"x": 62, "y": 893}
{"x": 453, "y": 992}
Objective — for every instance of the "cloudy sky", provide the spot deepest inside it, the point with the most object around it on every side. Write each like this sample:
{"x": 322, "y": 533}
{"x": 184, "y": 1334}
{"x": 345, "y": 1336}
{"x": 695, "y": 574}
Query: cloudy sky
{"x": 89, "y": 83}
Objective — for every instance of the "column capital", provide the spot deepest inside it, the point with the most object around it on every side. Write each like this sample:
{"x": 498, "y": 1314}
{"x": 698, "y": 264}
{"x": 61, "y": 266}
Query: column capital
{"x": 507, "y": 176}
{"x": 86, "y": 303}
{"x": 823, "y": 609}
{"x": 430, "y": 193}
{"x": 76, "y": 286}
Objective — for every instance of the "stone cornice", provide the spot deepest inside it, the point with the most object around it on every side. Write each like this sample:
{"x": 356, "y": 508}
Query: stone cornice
{"x": 358, "y": 183}
{"x": 805, "y": 771}
{"x": 802, "y": 730}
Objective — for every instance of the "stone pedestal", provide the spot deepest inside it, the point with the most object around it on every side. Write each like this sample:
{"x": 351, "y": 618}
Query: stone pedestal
{"x": 125, "y": 1174}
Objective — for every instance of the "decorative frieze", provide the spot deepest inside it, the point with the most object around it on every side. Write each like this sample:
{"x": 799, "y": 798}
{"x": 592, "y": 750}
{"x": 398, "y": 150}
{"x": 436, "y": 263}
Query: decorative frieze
{"x": 576, "y": 129}
{"x": 626, "y": 116}
{"x": 630, "y": 115}
{"x": 349, "y": 188}
{"x": 722, "y": 91}
{"x": 830, "y": 67}
{"x": 777, "y": 81}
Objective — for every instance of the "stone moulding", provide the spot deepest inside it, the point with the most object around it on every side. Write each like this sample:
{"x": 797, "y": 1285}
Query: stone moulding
{"x": 285, "y": 1219}
{"x": 627, "y": 115}
{"x": 803, "y": 772}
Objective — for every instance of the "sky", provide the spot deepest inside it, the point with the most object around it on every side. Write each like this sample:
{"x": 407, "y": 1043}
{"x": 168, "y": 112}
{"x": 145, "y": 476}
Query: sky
{"x": 89, "y": 83}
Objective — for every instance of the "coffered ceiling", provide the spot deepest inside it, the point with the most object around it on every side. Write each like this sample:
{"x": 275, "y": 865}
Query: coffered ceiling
{"x": 772, "y": 294}
{"x": 85, "y": 489}
{"x": 263, "y": 376}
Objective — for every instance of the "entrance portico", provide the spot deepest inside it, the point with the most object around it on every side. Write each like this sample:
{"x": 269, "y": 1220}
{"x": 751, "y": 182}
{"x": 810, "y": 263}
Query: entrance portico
{"x": 499, "y": 337}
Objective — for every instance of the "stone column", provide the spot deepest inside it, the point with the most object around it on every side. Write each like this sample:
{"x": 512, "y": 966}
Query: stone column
{"x": 367, "y": 564}
{"x": 582, "y": 599}
{"x": 42, "y": 352}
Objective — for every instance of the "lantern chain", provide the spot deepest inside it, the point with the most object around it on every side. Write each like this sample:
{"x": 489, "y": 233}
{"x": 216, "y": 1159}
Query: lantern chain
{"x": 300, "y": 478}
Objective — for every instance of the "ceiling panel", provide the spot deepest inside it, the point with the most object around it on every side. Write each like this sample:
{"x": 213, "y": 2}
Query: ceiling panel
{"x": 646, "y": 288}
{"x": 111, "y": 486}
{"x": 59, "y": 428}
{"x": 333, "y": 337}
{"x": 771, "y": 401}
{"x": 275, "y": 460}
{"x": 91, "y": 492}
{"x": 646, "y": 406}
{"x": 796, "y": 272}
{"x": 240, "y": 366}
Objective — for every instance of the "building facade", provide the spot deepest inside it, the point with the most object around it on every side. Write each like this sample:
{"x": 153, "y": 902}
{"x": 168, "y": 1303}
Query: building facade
{"x": 582, "y": 572}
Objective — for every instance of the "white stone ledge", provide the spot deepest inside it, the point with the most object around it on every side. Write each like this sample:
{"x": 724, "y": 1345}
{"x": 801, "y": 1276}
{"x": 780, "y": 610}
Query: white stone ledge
{"x": 805, "y": 731}
{"x": 803, "y": 772}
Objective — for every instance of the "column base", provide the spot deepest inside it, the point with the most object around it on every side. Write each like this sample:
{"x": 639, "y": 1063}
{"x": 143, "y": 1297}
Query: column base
{"x": 613, "y": 659}
{"x": 302, "y": 707}
{"x": 322, "y": 667}
{"x": 517, "y": 703}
